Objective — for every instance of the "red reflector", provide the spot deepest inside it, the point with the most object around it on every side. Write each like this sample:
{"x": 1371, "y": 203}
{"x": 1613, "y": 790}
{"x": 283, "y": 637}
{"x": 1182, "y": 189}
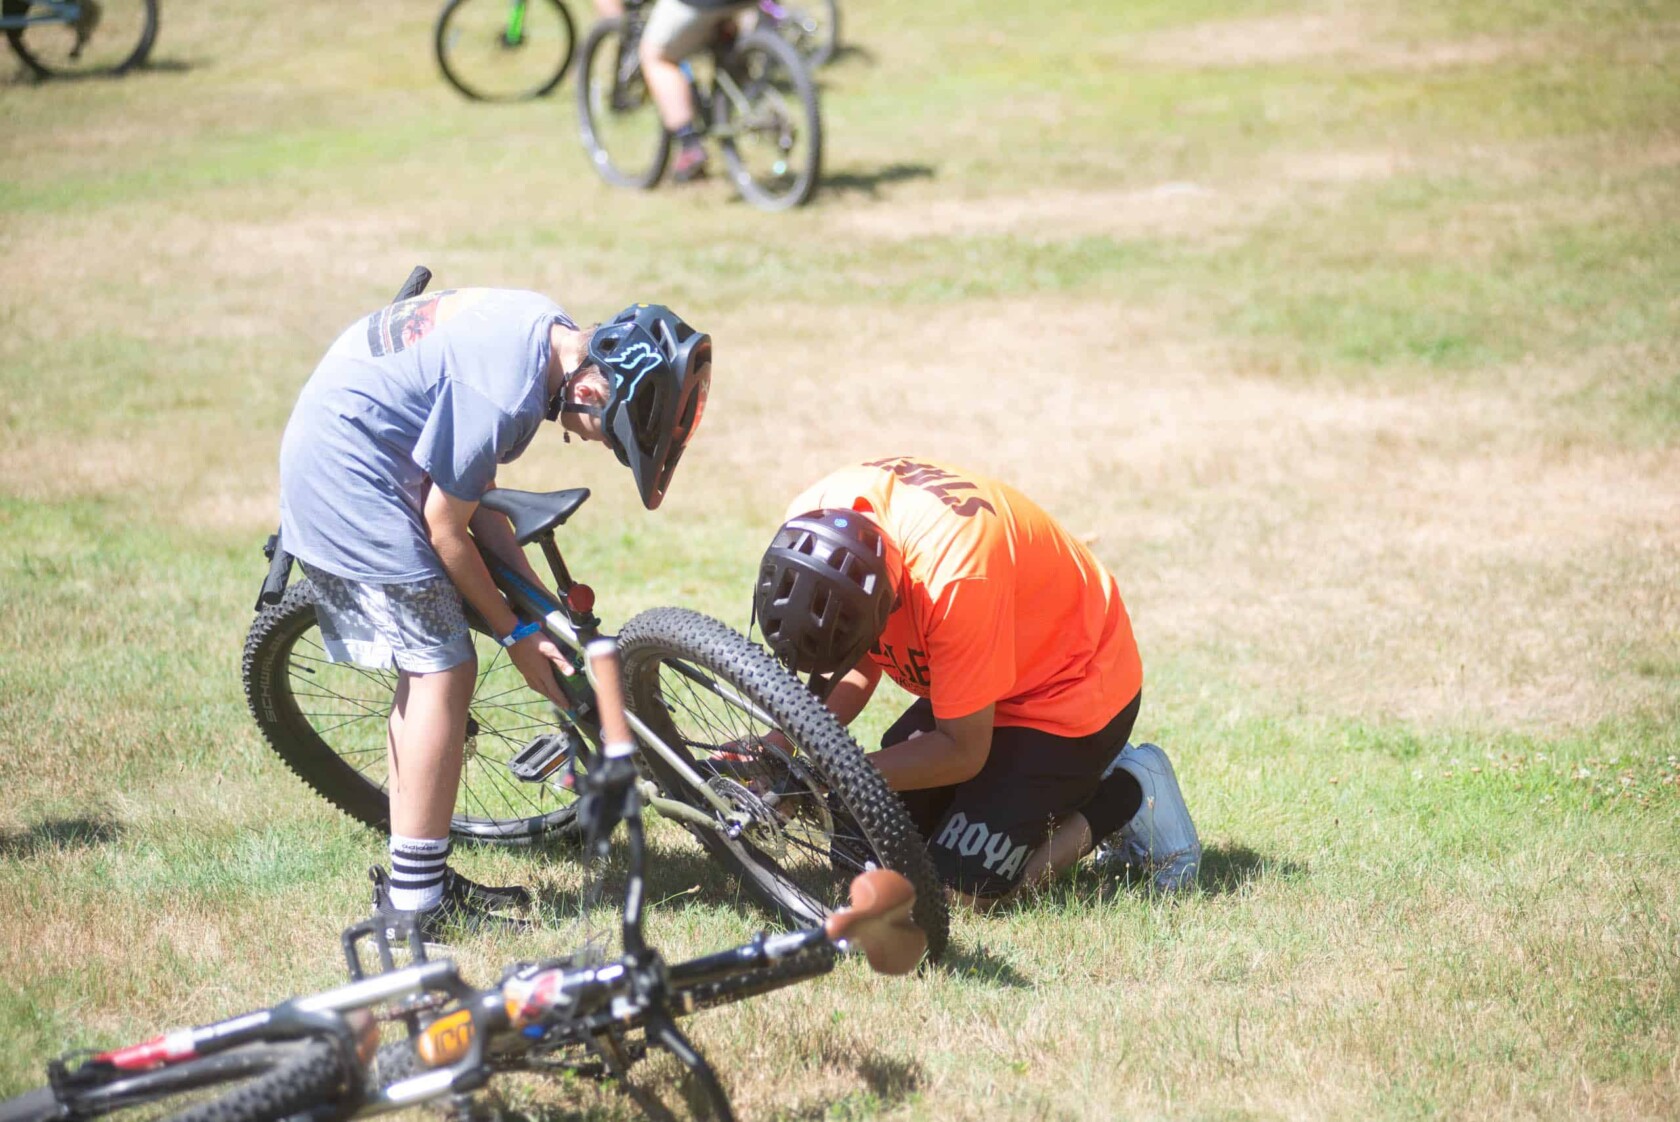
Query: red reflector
{"x": 581, "y": 598}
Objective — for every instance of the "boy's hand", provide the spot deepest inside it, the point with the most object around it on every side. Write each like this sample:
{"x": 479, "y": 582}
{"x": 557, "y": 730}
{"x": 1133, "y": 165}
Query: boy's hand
{"x": 537, "y": 657}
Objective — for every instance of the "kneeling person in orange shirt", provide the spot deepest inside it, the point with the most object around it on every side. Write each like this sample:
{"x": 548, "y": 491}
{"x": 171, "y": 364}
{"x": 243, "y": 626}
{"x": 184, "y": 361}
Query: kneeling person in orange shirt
{"x": 1014, "y": 761}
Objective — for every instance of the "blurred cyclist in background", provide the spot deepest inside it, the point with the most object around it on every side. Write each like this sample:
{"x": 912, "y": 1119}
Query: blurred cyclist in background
{"x": 676, "y": 29}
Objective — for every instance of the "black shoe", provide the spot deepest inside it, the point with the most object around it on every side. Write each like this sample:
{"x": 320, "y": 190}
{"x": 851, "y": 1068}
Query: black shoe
{"x": 465, "y": 911}
{"x": 460, "y": 890}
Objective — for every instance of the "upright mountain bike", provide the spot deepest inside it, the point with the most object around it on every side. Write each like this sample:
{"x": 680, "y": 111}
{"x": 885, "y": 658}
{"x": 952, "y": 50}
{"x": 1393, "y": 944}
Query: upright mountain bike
{"x": 319, "y": 1057}
{"x": 58, "y": 38}
{"x": 753, "y": 95}
{"x": 730, "y": 744}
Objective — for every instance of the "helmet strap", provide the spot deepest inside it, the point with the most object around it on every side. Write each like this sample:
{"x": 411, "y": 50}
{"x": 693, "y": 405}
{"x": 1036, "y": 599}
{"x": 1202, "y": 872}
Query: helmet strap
{"x": 558, "y": 403}
{"x": 823, "y": 684}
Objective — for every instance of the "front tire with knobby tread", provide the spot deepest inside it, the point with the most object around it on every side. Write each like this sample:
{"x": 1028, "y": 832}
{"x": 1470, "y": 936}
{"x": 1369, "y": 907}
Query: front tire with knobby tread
{"x": 315, "y": 1076}
{"x": 683, "y": 642}
{"x": 251, "y": 1083}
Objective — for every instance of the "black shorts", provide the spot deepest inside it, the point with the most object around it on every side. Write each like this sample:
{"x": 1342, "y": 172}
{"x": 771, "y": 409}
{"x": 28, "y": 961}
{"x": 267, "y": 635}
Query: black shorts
{"x": 980, "y": 831}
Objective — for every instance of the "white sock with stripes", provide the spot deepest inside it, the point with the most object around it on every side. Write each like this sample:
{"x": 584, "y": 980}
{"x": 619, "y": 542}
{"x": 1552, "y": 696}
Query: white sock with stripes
{"x": 417, "y": 866}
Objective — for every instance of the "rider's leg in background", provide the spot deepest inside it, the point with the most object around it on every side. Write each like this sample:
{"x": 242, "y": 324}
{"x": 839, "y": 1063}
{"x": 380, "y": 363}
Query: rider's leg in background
{"x": 674, "y": 31}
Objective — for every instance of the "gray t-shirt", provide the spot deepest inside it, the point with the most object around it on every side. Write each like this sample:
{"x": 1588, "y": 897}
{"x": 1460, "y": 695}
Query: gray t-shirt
{"x": 447, "y": 385}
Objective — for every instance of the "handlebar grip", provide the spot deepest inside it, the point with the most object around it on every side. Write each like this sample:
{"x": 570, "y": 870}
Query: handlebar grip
{"x": 607, "y": 670}
{"x": 414, "y": 285}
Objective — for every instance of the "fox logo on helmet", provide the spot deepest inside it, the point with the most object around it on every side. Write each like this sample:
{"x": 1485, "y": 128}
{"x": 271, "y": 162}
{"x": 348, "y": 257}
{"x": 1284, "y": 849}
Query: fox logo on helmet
{"x": 637, "y": 358}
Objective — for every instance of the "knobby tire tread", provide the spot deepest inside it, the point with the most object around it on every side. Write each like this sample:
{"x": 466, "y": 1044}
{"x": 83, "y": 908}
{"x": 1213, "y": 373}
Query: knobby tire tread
{"x": 325, "y": 773}
{"x": 653, "y": 635}
{"x": 257, "y": 1081}
{"x": 312, "y": 1078}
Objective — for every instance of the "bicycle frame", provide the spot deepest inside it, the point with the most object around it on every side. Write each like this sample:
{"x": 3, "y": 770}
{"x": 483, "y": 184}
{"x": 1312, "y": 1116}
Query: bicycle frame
{"x": 50, "y": 11}
{"x": 574, "y": 628}
{"x": 515, "y": 32}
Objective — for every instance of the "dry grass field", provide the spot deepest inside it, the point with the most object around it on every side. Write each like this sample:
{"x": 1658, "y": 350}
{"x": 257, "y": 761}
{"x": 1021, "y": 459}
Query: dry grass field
{"x": 1348, "y": 333}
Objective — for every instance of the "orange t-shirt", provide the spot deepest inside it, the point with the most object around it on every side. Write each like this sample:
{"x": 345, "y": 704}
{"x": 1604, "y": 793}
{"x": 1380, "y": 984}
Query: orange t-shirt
{"x": 996, "y": 602}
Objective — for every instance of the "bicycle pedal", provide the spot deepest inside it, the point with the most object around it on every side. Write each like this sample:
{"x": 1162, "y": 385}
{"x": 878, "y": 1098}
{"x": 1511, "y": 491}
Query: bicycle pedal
{"x": 544, "y": 756}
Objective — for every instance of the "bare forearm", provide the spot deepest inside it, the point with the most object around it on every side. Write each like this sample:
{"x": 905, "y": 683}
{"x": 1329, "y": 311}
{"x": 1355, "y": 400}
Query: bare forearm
{"x": 495, "y": 534}
{"x": 852, "y": 693}
{"x": 932, "y": 759}
{"x": 466, "y": 568}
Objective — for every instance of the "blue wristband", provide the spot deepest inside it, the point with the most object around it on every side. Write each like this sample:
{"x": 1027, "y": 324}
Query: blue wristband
{"x": 529, "y": 627}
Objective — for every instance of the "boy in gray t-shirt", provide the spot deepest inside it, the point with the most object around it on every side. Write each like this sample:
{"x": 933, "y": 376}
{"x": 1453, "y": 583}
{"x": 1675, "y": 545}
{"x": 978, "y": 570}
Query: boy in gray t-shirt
{"x": 393, "y": 442}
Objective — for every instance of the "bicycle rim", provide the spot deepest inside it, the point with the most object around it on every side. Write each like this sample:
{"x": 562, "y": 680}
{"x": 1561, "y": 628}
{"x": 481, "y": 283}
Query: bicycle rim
{"x": 504, "y": 50}
{"x": 766, "y": 108}
{"x": 328, "y": 722}
{"x": 109, "y": 37}
{"x": 808, "y": 811}
{"x": 622, "y": 135}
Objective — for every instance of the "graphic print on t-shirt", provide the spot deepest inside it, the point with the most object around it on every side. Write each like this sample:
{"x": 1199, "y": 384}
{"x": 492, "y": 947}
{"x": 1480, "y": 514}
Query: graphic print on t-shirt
{"x": 398, "y": 326}
{"x": 911, "y": 671}
{"x": 938, "y": 482}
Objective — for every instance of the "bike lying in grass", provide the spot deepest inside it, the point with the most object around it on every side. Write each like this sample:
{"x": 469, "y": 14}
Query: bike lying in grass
{"x": 731, "y": 744}
{"x": 319, "y": 1056}
{"x": 753, "y": 94}
{"x": 60, "y": 38}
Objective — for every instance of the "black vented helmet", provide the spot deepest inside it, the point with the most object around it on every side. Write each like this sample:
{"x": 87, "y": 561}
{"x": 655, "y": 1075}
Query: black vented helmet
{"x": 659, "y": 369}
{"x": 824, "y": 590}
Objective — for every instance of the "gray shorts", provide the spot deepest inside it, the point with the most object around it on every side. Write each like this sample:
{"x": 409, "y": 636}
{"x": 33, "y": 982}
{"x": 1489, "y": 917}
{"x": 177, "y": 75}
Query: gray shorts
{"x": 418, "y": 626}
{"x": 676, "y": 30}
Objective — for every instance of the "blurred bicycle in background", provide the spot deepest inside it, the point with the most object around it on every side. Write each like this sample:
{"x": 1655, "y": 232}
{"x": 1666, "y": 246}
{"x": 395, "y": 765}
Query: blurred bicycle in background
{"x": 752, "y": 92}
{"x": 70, "y": 38}
{"x": 513, "y": 50}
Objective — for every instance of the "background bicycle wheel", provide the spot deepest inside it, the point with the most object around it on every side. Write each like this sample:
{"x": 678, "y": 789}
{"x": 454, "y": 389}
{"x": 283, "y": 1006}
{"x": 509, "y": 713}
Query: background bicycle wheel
{"x": 504, "y": 50}
{"x": 107, "y": 38}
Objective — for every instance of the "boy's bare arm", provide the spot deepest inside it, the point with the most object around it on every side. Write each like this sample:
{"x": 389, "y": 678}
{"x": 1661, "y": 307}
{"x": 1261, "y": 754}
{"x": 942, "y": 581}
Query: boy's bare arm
{"x": 495, "y": 533}
{"x": 447, "y": 522}
{"x": 852, "y": 693}
{"x": 954, "y": 752}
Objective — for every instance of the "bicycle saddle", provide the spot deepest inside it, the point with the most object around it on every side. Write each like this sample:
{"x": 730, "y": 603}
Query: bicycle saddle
{"x": 534, "y": 513}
